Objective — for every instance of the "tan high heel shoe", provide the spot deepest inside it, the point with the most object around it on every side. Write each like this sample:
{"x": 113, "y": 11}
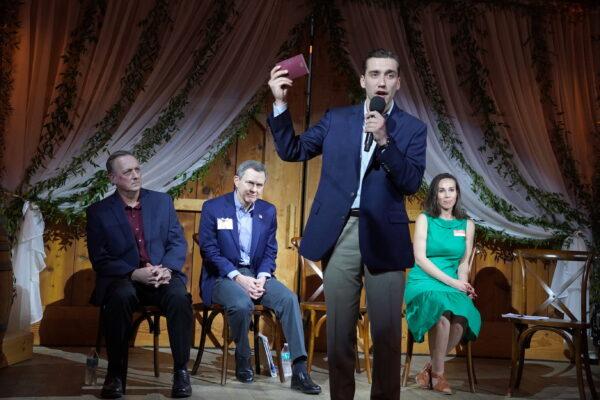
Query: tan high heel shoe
{"x": 441, "y": 385}
{"x": 423, "y": 378}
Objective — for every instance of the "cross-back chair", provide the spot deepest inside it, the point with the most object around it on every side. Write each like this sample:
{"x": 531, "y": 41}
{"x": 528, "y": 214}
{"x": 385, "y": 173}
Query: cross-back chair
{"x": 536, "y": 317}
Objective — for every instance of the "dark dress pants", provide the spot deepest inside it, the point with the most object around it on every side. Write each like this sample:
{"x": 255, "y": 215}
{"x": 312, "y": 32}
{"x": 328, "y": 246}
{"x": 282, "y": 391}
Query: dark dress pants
{"x": 120, "y": 302}
{"x": 239, "y": 306}
{"x": 343, "y": 280}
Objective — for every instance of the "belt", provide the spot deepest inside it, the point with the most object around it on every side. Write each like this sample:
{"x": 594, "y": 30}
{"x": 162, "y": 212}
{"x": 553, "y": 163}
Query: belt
{"x": 355, "y": 212}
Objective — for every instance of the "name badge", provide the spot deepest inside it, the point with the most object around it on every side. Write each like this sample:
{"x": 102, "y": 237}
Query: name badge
{"x": 224, "y": 223}
{"x": 459, "y": 232}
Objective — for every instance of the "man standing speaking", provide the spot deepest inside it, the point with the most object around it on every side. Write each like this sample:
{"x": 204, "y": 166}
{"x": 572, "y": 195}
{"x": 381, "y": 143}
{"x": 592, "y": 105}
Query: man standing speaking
{"x": 358, "y": 223}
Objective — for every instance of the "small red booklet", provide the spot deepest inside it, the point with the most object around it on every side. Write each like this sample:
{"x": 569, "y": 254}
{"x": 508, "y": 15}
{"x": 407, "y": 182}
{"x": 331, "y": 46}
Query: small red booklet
{"x": 296, "y": 66}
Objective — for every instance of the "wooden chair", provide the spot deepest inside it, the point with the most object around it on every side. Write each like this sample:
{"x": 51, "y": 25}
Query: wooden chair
{"x": 152, "y": 315}
{"x": 410, "y": 340}
{"x": 572, "y": 330}
{"x": 314, "y": 302}
{"x": 205, "y": 315}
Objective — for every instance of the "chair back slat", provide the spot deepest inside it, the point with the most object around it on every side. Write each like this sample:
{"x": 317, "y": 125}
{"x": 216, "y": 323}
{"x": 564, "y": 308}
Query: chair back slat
{"x": 525, "y": 257}
{"x": 310, "y": 271}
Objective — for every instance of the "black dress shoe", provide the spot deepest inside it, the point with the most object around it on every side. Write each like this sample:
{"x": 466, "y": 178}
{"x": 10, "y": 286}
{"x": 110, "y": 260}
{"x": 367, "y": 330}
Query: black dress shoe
{"x": 243, "y": 370}
{"x": 181, "y": 384}
{"x": 112, "y": 388}
{"x": 302, "y": 382}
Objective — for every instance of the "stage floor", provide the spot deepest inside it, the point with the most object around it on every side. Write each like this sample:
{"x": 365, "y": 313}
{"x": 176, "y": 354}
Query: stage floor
{"x": 59, "y": 373}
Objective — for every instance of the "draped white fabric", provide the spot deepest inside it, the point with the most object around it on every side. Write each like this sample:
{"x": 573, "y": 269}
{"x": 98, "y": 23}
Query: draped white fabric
{"x": 28, "y": 261}
{"x": 513, "y": 87}
{"x": 239, "y": 68}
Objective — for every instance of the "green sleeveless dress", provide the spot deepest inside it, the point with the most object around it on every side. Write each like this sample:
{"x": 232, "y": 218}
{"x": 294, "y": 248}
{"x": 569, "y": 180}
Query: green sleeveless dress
{"x": 428, "y": 298}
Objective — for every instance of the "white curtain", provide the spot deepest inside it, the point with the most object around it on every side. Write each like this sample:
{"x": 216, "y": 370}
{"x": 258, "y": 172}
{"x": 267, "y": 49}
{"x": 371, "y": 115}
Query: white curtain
{"x": 238, "y": 70}
{"x": 28, "y": 261}
{"x": 512, "y": 85}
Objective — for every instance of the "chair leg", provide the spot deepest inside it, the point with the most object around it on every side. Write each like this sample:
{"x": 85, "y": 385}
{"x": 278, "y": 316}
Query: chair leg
{"x": 256, "y": 343}
{"x": 277, "y": 344}
{"x": 124, "y": 366}
{"x": 204, "y": 327}
{"x": 356, "y": 359}
{"x": 586, "y": 364}
{"x": 578, "y": 367}
{"x": 225, "y": 350}
{"x": 408, "y": 358}
{"x": 521, "y": 364}
{"x": 470, "y": 370}
{"x": 513, "y": 361}
{"x": 100, "y": 333}
{"x": 156, "y": 337}
{"x": 366, "y": 350}
{"x": 311, "y": 339}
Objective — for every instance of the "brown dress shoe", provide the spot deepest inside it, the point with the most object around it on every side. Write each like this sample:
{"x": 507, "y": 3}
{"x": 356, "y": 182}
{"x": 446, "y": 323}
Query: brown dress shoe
{"x": 423, "y": 378}
{"x": 440, "y": 384}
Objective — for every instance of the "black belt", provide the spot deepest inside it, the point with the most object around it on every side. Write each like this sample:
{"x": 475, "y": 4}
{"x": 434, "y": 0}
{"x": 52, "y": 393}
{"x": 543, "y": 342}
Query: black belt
{"x": 355, "y": 212}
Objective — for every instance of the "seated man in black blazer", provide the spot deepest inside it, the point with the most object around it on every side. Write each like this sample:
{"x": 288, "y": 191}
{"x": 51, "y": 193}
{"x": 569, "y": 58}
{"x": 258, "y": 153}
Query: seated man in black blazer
{"x": 137, "y": 248}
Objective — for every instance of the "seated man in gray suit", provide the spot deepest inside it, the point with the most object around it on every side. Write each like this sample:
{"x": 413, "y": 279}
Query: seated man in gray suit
{"x": 238, "y": 246}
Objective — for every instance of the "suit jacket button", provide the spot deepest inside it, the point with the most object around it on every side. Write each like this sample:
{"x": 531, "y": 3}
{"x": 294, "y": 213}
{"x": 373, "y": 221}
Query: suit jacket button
{"x": 351, "y": 194}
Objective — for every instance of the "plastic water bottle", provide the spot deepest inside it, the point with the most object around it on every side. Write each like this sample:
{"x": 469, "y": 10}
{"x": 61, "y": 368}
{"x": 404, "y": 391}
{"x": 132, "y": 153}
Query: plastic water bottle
{"x": 91, "y": 368}
{"x": 286, "y": 360}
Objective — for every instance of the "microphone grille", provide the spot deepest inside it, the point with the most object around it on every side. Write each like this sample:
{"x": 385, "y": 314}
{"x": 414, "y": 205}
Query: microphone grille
{"x": 377, "y": 104}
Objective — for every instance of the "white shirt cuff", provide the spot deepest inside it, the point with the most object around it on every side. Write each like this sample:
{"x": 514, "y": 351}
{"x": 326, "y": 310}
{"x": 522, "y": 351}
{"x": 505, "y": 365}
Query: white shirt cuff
{"x": 233, "y": 274}
{"x": 265, "y": 274}
{"x": 278, "y": 110}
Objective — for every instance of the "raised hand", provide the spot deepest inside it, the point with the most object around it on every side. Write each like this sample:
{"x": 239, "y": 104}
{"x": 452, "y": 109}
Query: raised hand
{"x": 279, "y": 84}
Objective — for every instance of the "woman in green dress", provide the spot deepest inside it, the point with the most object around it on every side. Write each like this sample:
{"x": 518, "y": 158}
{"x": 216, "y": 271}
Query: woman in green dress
{"x": 439, "y": 298}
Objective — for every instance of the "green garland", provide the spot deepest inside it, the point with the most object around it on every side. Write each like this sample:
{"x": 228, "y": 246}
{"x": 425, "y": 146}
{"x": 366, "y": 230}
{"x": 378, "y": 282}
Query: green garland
{"x": 53, "y": 131}
{"x": 69, "y": 209}
{"x": 445, "y": 130}
{"x": 132, "y": 83}
{"x": 475, "y": 76}
{"x": 239, "y": 127}
{"x": 329, "y": 16}
{"x": 217, "y": 26}
{"x": 9, "y": 25}
{"x": 556, "y": 130}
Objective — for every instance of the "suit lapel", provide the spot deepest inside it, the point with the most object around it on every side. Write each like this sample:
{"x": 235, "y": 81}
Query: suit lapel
{"x": 230, "y": 212}
{"x": 357, "y": 120}
{"x": 257, "y": 228}
{"x": 118, "y": 208}
{"x": 147, "y": 207}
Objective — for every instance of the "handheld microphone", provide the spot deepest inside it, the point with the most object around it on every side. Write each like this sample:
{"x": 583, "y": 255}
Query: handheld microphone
{"x": 377, "y": 104}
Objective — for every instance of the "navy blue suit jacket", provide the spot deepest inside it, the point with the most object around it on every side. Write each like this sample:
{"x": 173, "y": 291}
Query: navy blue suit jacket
{"x": 383, "y": 225}
{"x": 220, "y": 248}
{"x": 111, "y": 245}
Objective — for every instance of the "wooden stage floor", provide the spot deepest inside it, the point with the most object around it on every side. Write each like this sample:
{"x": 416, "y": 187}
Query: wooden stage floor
{"x": 59, "y": 373}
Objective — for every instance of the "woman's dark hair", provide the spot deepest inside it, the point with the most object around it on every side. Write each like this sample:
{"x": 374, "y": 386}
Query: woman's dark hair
{"x": 431, "y": 205}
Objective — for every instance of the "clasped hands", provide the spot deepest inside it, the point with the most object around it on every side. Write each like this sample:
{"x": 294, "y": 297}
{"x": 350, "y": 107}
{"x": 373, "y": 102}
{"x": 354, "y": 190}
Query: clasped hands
{"x": 152, "y": 275}
{"x": 464, "y": 287}
{"x": 255, "y": 287}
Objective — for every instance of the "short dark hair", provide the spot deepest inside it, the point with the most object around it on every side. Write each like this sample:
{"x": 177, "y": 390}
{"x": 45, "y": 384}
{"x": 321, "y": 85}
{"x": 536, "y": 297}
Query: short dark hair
{"x": 381, "y": 53}
{"x": 251, "y": 164}
{"x": 431, "y": 205}
{"x": 114, "y": 156}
